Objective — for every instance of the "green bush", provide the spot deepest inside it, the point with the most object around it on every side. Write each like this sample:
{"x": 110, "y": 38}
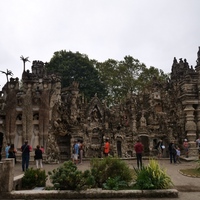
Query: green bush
{"x": 67, "y": 177}
{"x": 198, "y": 164}
{"x": 152, "y": 177}
{"x": 108, "y": 171}
{"x": 115, "y": 184}
{"x": 34, "y": 178}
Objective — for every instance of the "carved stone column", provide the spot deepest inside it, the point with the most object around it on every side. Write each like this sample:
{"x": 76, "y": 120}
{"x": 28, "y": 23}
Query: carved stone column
{"x": 190, "y": 128}
{"x": 27, "y": 115}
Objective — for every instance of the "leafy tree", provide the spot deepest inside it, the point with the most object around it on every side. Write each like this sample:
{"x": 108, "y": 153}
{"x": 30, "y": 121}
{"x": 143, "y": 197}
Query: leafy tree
{"x": 120, "y": 77}
{"x": 126, "y": 76}
{"x": 111, "y": 80}
{"x": 77, "y": 67}
{"x": 149, "y": 76}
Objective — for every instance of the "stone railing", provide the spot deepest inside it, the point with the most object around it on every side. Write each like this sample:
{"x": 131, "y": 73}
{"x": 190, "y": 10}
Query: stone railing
{"x": 9, "y": 182}
{"x": 6, "y": 175}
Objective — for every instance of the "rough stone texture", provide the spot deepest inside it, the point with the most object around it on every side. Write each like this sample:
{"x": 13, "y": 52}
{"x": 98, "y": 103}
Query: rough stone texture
{"x": 91, "y": 194}
{"x": 6, "y": 175}
{"x": 46, "y": 114}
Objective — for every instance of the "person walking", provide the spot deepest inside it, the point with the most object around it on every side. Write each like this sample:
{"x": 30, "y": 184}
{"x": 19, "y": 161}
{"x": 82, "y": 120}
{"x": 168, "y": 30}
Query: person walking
{"x": 198, "y": 142}
{"x": 139, "y": 150}
{"x": 172, "y": 152}
{"x": 12, "y": 153}
{"x": 38, "y": 157}
{"x": 106, "y": 150}
{"x": 178, "y": 154}
{"x": 76, "y": 152}
{"x": 198, "y": 145}
{"x": 7, "y": 149}
{"x": 186, "y": 147}
{"x": 25, "y": 148}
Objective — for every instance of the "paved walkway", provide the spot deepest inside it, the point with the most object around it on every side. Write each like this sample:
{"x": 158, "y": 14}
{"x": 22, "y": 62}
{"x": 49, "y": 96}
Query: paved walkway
{"x": 188, "y": 186}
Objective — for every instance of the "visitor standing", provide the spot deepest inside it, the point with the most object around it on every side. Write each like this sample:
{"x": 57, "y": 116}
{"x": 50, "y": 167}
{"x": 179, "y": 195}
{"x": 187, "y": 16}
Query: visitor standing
{"x": 25, "y": 148}
{"x": 106, "y": 150}
{"x": 198, "y": 143}
{"x": 186, "y": 147}
{"x": 73, "y": 152}
{"x": 160, "y": 148}
{"x": 139, "y": 150}
{"x": 38, "y": 157}
{"x": 172, "y": 152}
{"x": 7, "y": 149}
{"x": 76, "y": 152}
{"x": 178, "y": 154}
{"x": 12, "y": 152}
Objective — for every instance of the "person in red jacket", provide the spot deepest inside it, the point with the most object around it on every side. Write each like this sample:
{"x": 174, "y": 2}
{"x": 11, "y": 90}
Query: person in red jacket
{"x": 106, "y": 148}
{"x": 139, "y": 150}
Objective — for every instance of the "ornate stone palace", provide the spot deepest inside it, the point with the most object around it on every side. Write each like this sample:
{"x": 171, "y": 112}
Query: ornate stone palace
{"x": 38, "y": 109}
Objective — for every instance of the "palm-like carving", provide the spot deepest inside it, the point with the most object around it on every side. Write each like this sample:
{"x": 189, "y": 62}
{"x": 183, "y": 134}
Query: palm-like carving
{"x": 24, "y": 60}
{"x": 7, "y": 73}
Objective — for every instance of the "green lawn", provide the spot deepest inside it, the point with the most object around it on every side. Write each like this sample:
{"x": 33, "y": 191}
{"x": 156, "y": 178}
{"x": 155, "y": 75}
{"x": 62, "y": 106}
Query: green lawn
{"x": 194, "y": 172}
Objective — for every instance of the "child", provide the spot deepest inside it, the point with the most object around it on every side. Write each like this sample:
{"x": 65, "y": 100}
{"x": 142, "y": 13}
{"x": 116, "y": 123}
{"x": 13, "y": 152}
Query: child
{"x": 178, "y": 154}
{"x": 38, "y": 157}
{"x": 186, "y": 147}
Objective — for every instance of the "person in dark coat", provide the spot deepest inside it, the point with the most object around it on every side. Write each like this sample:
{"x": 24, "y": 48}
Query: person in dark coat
{"x": 25, "y": 148}
{"x": 12, "y": 152}
{"x": 38, "y": 157}
{"x": 172, "y": 152}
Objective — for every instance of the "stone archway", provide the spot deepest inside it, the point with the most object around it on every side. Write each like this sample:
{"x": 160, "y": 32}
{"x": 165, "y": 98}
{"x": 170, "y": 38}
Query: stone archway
{"x": 145, "y": 141}
{"x": 64, "y": 143}
{"x": 119, "y": 148}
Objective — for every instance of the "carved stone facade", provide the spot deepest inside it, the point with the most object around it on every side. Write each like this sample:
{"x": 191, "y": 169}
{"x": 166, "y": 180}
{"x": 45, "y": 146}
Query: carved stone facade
{"x": 46, "y": 114}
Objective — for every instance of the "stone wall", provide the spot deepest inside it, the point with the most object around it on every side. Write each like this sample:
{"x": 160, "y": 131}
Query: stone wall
{"x": 46, "y": 114}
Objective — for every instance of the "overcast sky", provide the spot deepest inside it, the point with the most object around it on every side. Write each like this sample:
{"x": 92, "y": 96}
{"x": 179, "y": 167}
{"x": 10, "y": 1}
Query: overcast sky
{"x": 153, "y": 31}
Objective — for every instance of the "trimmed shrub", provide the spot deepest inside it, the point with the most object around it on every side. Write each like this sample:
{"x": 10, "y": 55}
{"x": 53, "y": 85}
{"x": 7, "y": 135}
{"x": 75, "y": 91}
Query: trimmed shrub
{"x": 152, "y": 177}
{"x": 109, "y": 172}
{"x": 198, "y": 165}
{"x": 34, "y": 178}
{"x": 115, "y": 184}
{"x": 67, "y": 177}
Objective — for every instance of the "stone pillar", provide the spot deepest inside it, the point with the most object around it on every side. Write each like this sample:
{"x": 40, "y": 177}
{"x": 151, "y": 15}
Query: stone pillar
{"x": 6, "y": 175}
{"x": 190, "y": 128}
